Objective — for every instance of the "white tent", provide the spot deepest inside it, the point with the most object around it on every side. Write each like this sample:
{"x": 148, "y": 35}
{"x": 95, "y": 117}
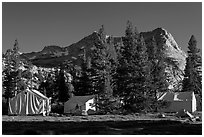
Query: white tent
{"x": 178, "y": 101}
{"x": 80, "y": 104}
{"x": 29, "y": 102}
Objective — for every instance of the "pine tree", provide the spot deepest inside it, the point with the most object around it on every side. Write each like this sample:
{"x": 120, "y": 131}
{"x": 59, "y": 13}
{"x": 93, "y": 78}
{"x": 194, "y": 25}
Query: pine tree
{"x": 123, "y": 58}
{"x": 133, "y": 71}
{"x": 12, "y": 68}
{"x": 63, "y": 89}
{"x": 16, "y": 64}
{"x": 140, "y": 72}
{"x": 103, "y": 67}
{"x": 157, "y": 78}
{"x": 12, "y": 75}
{"x": 83, "y": 84}
{"x": 55, "y": 95}
{"x": 101, "y": 63}
{"x": 193, "y": 77}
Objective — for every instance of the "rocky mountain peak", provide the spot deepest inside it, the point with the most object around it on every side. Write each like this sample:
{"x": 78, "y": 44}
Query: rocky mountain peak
{"x": 169, "y": 47}
{"x": 168, "y": 38}
{"x": 51, "y": 47}
{"x": 175, "y": 57}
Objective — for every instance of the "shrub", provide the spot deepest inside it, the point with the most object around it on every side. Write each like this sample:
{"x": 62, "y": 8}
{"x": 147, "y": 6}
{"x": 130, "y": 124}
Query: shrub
{"x": 57, "y": 108}
{"x": 4, "y": 107}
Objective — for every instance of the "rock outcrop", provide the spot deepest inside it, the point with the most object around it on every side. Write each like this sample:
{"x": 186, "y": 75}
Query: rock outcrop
{"x": 175, "y": 57}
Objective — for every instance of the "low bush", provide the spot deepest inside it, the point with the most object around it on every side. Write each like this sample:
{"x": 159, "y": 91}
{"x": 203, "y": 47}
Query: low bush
{"x": 4, "y": 107}
{"x": 57, "y": 108}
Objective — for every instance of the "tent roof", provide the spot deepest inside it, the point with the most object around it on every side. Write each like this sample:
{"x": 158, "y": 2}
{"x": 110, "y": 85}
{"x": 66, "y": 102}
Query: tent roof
{"x": 38, "y": 93}
{"x": 176, "y": 96}
{"x": 80, "y": 99}
{"x": 35, "y": 92}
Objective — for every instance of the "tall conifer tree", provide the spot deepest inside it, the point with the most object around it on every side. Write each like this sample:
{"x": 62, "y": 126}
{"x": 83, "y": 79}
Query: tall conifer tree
{"x": 12, "y": 76}
{"x": 84, "y": 85}
{"x": 193, "y": 71}
{"x": 133, "y": 70}
{"x": 63, "y": 89}
{"x": 102, "y": 66}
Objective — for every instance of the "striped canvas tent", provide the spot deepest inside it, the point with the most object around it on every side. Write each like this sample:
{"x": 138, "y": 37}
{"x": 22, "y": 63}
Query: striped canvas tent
{"x": 29, "y": 102}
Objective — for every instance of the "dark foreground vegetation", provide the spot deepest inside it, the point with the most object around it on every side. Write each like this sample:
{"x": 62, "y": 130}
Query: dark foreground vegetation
{"x": 141, "y": 127}
{"x": 139, "y": 124}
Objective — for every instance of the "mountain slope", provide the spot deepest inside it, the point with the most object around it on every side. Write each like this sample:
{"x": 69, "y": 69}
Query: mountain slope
{"x": 52, "y": 56}
{"x": 175, "y": 58}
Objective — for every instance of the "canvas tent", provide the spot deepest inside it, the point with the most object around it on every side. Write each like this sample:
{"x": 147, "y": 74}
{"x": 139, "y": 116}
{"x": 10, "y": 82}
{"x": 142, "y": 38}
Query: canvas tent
{"x": 29, "y": 102}
{"x": 178, "y": 101}
{"x": 80, "y": 104}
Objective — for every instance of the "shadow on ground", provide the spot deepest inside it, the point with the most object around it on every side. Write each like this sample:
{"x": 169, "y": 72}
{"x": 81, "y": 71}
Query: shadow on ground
{"x": 140, "y": 127}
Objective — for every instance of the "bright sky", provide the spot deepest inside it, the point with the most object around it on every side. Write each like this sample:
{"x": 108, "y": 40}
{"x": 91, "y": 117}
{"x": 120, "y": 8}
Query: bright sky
{"x": 36, "y": 25}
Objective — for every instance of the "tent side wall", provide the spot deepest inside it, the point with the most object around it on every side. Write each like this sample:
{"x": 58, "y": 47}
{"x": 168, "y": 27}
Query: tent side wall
{"x": 198, "y": 103}
{"x": 83, "y": 105}
{"x": 175, "y": 106}
{"x": 89, "y": 105}
{"x": 178, "y": 105}
{"x": 194, "y": 102}
{"x": 178, "y": 101}
{"x": 35, "y": 105}
{"x": 27, "y": 102}
{"x": 70, "y": 106}
{"x": 17, "y": 104}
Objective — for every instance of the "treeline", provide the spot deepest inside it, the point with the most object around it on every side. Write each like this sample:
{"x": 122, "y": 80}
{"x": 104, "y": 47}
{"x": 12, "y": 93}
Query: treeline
{"x": 135, "y": 77}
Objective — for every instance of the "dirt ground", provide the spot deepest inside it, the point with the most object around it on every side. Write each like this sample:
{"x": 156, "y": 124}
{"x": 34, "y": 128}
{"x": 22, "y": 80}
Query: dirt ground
{"x": 141, "y": 124}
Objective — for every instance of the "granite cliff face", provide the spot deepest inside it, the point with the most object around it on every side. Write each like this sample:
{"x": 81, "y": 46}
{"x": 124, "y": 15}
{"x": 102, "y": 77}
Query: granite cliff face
{"x": 166, "y": 42}
{"x": 175, "y": 58}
